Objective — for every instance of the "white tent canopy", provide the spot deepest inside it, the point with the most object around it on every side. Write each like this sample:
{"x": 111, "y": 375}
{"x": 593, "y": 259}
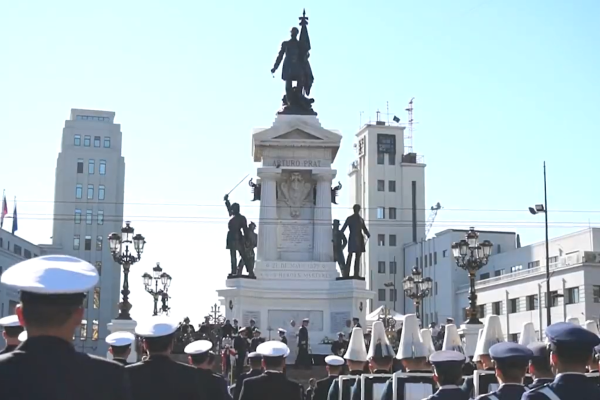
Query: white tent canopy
{"x": 378, "y": 312}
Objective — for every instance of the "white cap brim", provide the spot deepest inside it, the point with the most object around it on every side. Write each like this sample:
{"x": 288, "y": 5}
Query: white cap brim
{"x": 53, "y": 274}
{"x": 198, "y": 347}
{"x": 273, "y": 348}
{"x": 121, "y": 338}
{"x": 156, "y": 327}
{"x": 11, "y": 320}
{"x": 334, "y": 361}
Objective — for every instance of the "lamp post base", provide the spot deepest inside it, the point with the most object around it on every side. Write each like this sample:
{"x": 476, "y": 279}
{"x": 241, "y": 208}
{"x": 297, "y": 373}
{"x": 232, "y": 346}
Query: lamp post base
{"x": 469, "y": 334}
{"x": 473, "y": 321}
{"x": 124, "y": 308}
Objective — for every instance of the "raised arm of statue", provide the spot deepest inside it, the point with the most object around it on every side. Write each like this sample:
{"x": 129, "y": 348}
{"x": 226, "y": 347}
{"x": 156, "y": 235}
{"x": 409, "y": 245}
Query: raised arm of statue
{"x": 228, "y": 204}
{"x": 364, "y": 228}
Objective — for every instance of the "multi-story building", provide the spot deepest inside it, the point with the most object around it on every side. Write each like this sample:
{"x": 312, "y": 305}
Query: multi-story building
{"x": 513, "y": 285}
{"x": 88, "y": 206}
{"x": 389, "y": 184}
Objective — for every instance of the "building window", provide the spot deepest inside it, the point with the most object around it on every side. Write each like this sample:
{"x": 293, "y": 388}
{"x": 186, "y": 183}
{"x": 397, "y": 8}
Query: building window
{"x": 497, "y": 308}
{"x": 91, "y": 166}
{"x": 101, "y": 193}
{"x": 380, "y": 185}
{"x": 102, "y": 167}
{"x": 553, "y": 298}
{"x": 90, "y": 194}
{"x": 78, "y": 191}
{"x": 381, "y": 240}
{"x": 76, "y": 242}
{"x": 88, "y": 243}
{"x": 391, "y": 186}
{"x": 80, "y": 165}
{"x": 77, "y": 140}
{"x": 444, "y": 252}
{"x": 17, "y": 249}
{"x": 99, "y": 266}
{"x": 99, "y": 243}
{"x": 26, "y": 254}
{"x": 96, "y": 141}
{"x": 435, "y": 258}
{"x": 485, "y": 275}
{"x": 430, "y": 260}
{"x": 83, "y": 330}
{"x": 513, "y": 306}
{"x": 106, "y": 142}
{"x": 392, "y": 213}
{"x": 499, "y": 249}
{"x": 381, "y": 267}
{"x": 532, "y": 302}
{"x": 481, "y": 310}
{"x": 553, "y": 260}
{"x": 95, "y": 330}
{"x": 513, "y": 337}
{"x": 88, "y": 217}
{"x": 100, "y": 217}
{"x": 393, "y": 267}
{"x": 516, "y": 268}
{"x": 572, "y": 295}
{"x": 392, "y": 240}
{"x": 435, "y": 290}
{"x": 87, "y": 141}
{"x": 499, "y": 272}
{"x": 393, "y": 294}
{"x": 77, "y": 216}
{"x": 380, "y": 212}
{"x": 391, "y": 158}
{"x": 380, "y": 158}
{"x": 381, "y": 294}
{"x": 596, "y": 293}
{"x": 424, "y": 263}
{"x": 533, "y": 264}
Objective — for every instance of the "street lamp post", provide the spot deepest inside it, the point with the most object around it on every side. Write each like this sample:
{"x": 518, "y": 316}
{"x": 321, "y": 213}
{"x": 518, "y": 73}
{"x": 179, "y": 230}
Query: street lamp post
{"x": 119, "y": 248}
{"x": 165, "y": 279}
{"x": 471, "y": 256}
{"x": 543, "y": 208}
{"x": 417, "y": 288}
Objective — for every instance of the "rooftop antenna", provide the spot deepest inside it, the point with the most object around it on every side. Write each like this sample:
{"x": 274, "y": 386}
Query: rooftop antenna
{"x": 408, "y": 138}
{"x": 360, "y": 119}
{"x": 378, "y": 113}
{"x": 387, "y": 108}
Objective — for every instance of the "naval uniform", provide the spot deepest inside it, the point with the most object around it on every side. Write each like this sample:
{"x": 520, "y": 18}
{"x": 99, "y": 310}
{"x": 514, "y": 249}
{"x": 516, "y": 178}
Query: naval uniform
{"x": 159, "y": 377}
{"x": 271, "y": 385}
{"x": 357, "y": 388}
{"x": 213, "y": 385}
{"x": 388, "y": 392}
{"x": 506, "y": 391}
{"x": 323, "y": 386}
{"x": 539, "y": 382}
{"x": 240, "y": 381}
{"x": 121, "y": 361}
{"x": 334, "y": 390}
{"x": 449, "y": 392}
{"x": 47, "y": 367}
{"x": 8, "y": 348}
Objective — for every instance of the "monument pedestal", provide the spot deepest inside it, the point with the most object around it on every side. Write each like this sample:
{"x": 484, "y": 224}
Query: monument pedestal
{"x": 124, "y": 325}
{"x": 470, "y": 333}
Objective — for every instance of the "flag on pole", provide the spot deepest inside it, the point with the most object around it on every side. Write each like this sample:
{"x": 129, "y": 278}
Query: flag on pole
{"x": 15, "y": 226}
{"x": 4, "y": 209}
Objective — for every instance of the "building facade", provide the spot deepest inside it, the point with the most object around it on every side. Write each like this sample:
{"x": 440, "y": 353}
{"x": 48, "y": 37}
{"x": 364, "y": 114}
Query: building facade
{"x": 88, "y": 206}
{"x": 389, "y": 185}
{"x": 513, "y": 285}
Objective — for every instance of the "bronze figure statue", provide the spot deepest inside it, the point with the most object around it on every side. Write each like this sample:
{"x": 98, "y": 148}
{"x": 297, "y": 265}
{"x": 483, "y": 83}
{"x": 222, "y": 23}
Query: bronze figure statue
{"x": 334, "y": 192}
{"x": 255, "y": 189}
{"x": 296, "y": 68}
{"x": 237, "y": 236}
{"x": 249, "y": 246}
{"x": 339, "y": 244}
{"x": 356, "y": 241}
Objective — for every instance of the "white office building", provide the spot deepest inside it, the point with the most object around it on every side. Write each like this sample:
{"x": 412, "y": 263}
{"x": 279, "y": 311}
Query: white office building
{"x": 389, "y": 185}
{"x": 88, "y": 206}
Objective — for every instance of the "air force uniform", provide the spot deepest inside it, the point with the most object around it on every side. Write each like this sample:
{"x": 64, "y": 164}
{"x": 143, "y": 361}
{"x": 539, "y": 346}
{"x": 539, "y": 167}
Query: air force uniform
{"x": 213, "y": 385}
{"x": 46, "y": 366}
{"x": 516, "y": 356}
{"x": 120, "y": 344}
{"x": 444, "y": 361}
{"x": 540, "y": 351}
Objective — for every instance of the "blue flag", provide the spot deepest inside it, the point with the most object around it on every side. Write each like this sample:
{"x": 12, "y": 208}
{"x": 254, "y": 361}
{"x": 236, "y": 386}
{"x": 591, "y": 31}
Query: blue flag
{"x": 15, "y": 225}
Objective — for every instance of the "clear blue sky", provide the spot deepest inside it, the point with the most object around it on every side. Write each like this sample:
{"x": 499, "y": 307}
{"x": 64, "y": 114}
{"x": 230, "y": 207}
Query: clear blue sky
{"x": 500, "y": 86}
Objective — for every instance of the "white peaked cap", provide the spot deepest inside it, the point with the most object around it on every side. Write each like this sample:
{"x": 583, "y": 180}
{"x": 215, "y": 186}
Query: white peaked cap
{"x": 492, "y": 334}
{"x": 156, "y": 327}
{"x": 121, "y": 338}
{"x": 591, "y": 326}
{"x": 198, "y": 347}
{"x": 273, "y": 348}
{"x": 357, "y": 350}
{"x": 411, "y": 345}
{"x": 22, "y": 336}
{"x": 380, "y": 346}
{"x": 528, "y": 335}
{"x": 427, "y": 341}
{"x": 334, "y": 361}
{"x": 573, "y": 320}
{"x": 452, "y": 340}
{"x": 10, "y": 321}
{"x": 476, "y": 355}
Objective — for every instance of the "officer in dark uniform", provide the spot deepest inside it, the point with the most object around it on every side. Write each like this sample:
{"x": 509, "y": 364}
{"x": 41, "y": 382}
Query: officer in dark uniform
{"x": 120, "y": 345}
{"x": 256, "y": 340}
{"x": 273, "y": 384}
{"x": 255, "y": 360}
{"x": 338, "y": 347}
{"x": 356, "y": 358}
{"x": 240, "y": 345}
{"x": 511, "y": 361}
{"x": 282, "y": 332}
{"x": 304, "y": 359}
{"x": 334, "y": 369}
{"x": 12, "y": 329}
{"x": 447, "y": 371}
{"x": 47, "y": 366}
{"x": 160, "y": 377}
{"x": 213, "y": 385}
{"x": 571, "y": 348}
{"x": 539, "y": 366}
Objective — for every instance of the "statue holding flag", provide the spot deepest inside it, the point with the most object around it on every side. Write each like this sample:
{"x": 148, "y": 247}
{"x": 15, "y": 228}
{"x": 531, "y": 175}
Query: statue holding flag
{"x": 296, "y": 68}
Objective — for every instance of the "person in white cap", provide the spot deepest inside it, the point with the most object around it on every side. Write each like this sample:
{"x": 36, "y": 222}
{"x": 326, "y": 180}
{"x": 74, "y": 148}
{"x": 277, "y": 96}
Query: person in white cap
{"x": 47, "y": 366}
{"x": 159, "y": 376}
{"x": 356, "y": 358}
{"x": 447, "y": 372}
{"x": 120, "y": 345}
{"x": 282, "y": 332}
{"x": 273, "y": 384}
{"x": 255, "y": 361}
{"x": 12, "y": 328}
{"x": 213, "y": 385}
{"x": 381, "y": 356}
{"x": 335, "y": 364}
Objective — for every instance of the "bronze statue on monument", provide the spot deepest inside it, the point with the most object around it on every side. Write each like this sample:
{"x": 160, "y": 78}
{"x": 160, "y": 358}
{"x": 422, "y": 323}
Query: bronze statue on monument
{"x": 339, "y": 244}
{"x": 356, "y": 241}
{"x": 239, "y": 238}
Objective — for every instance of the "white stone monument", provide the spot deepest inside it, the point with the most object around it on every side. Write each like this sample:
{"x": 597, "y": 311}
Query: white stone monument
{"x": 295, "y": 271}
{"x": 124, "y": 325}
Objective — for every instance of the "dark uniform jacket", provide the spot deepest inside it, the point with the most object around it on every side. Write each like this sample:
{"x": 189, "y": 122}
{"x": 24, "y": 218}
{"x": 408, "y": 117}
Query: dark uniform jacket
{"x": 159, "y": 377}
{"x": 213, "y": 385}
{"x": 121, "y": 361}
{"x": 49, "y": 368}
{"x": 449, "y": 392}
{"x": 334, "y": 390}
{"x": 323, "y": 386}
{"x": 271, "y": 385}
{"x": 539, "y": 383}
{"x": 338, "y": 348}
{"x": 505, "y": 392}
{"x": 240, "y": 381}
{"x": 567, "y": 386}
{"x": 8, "y": 349}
